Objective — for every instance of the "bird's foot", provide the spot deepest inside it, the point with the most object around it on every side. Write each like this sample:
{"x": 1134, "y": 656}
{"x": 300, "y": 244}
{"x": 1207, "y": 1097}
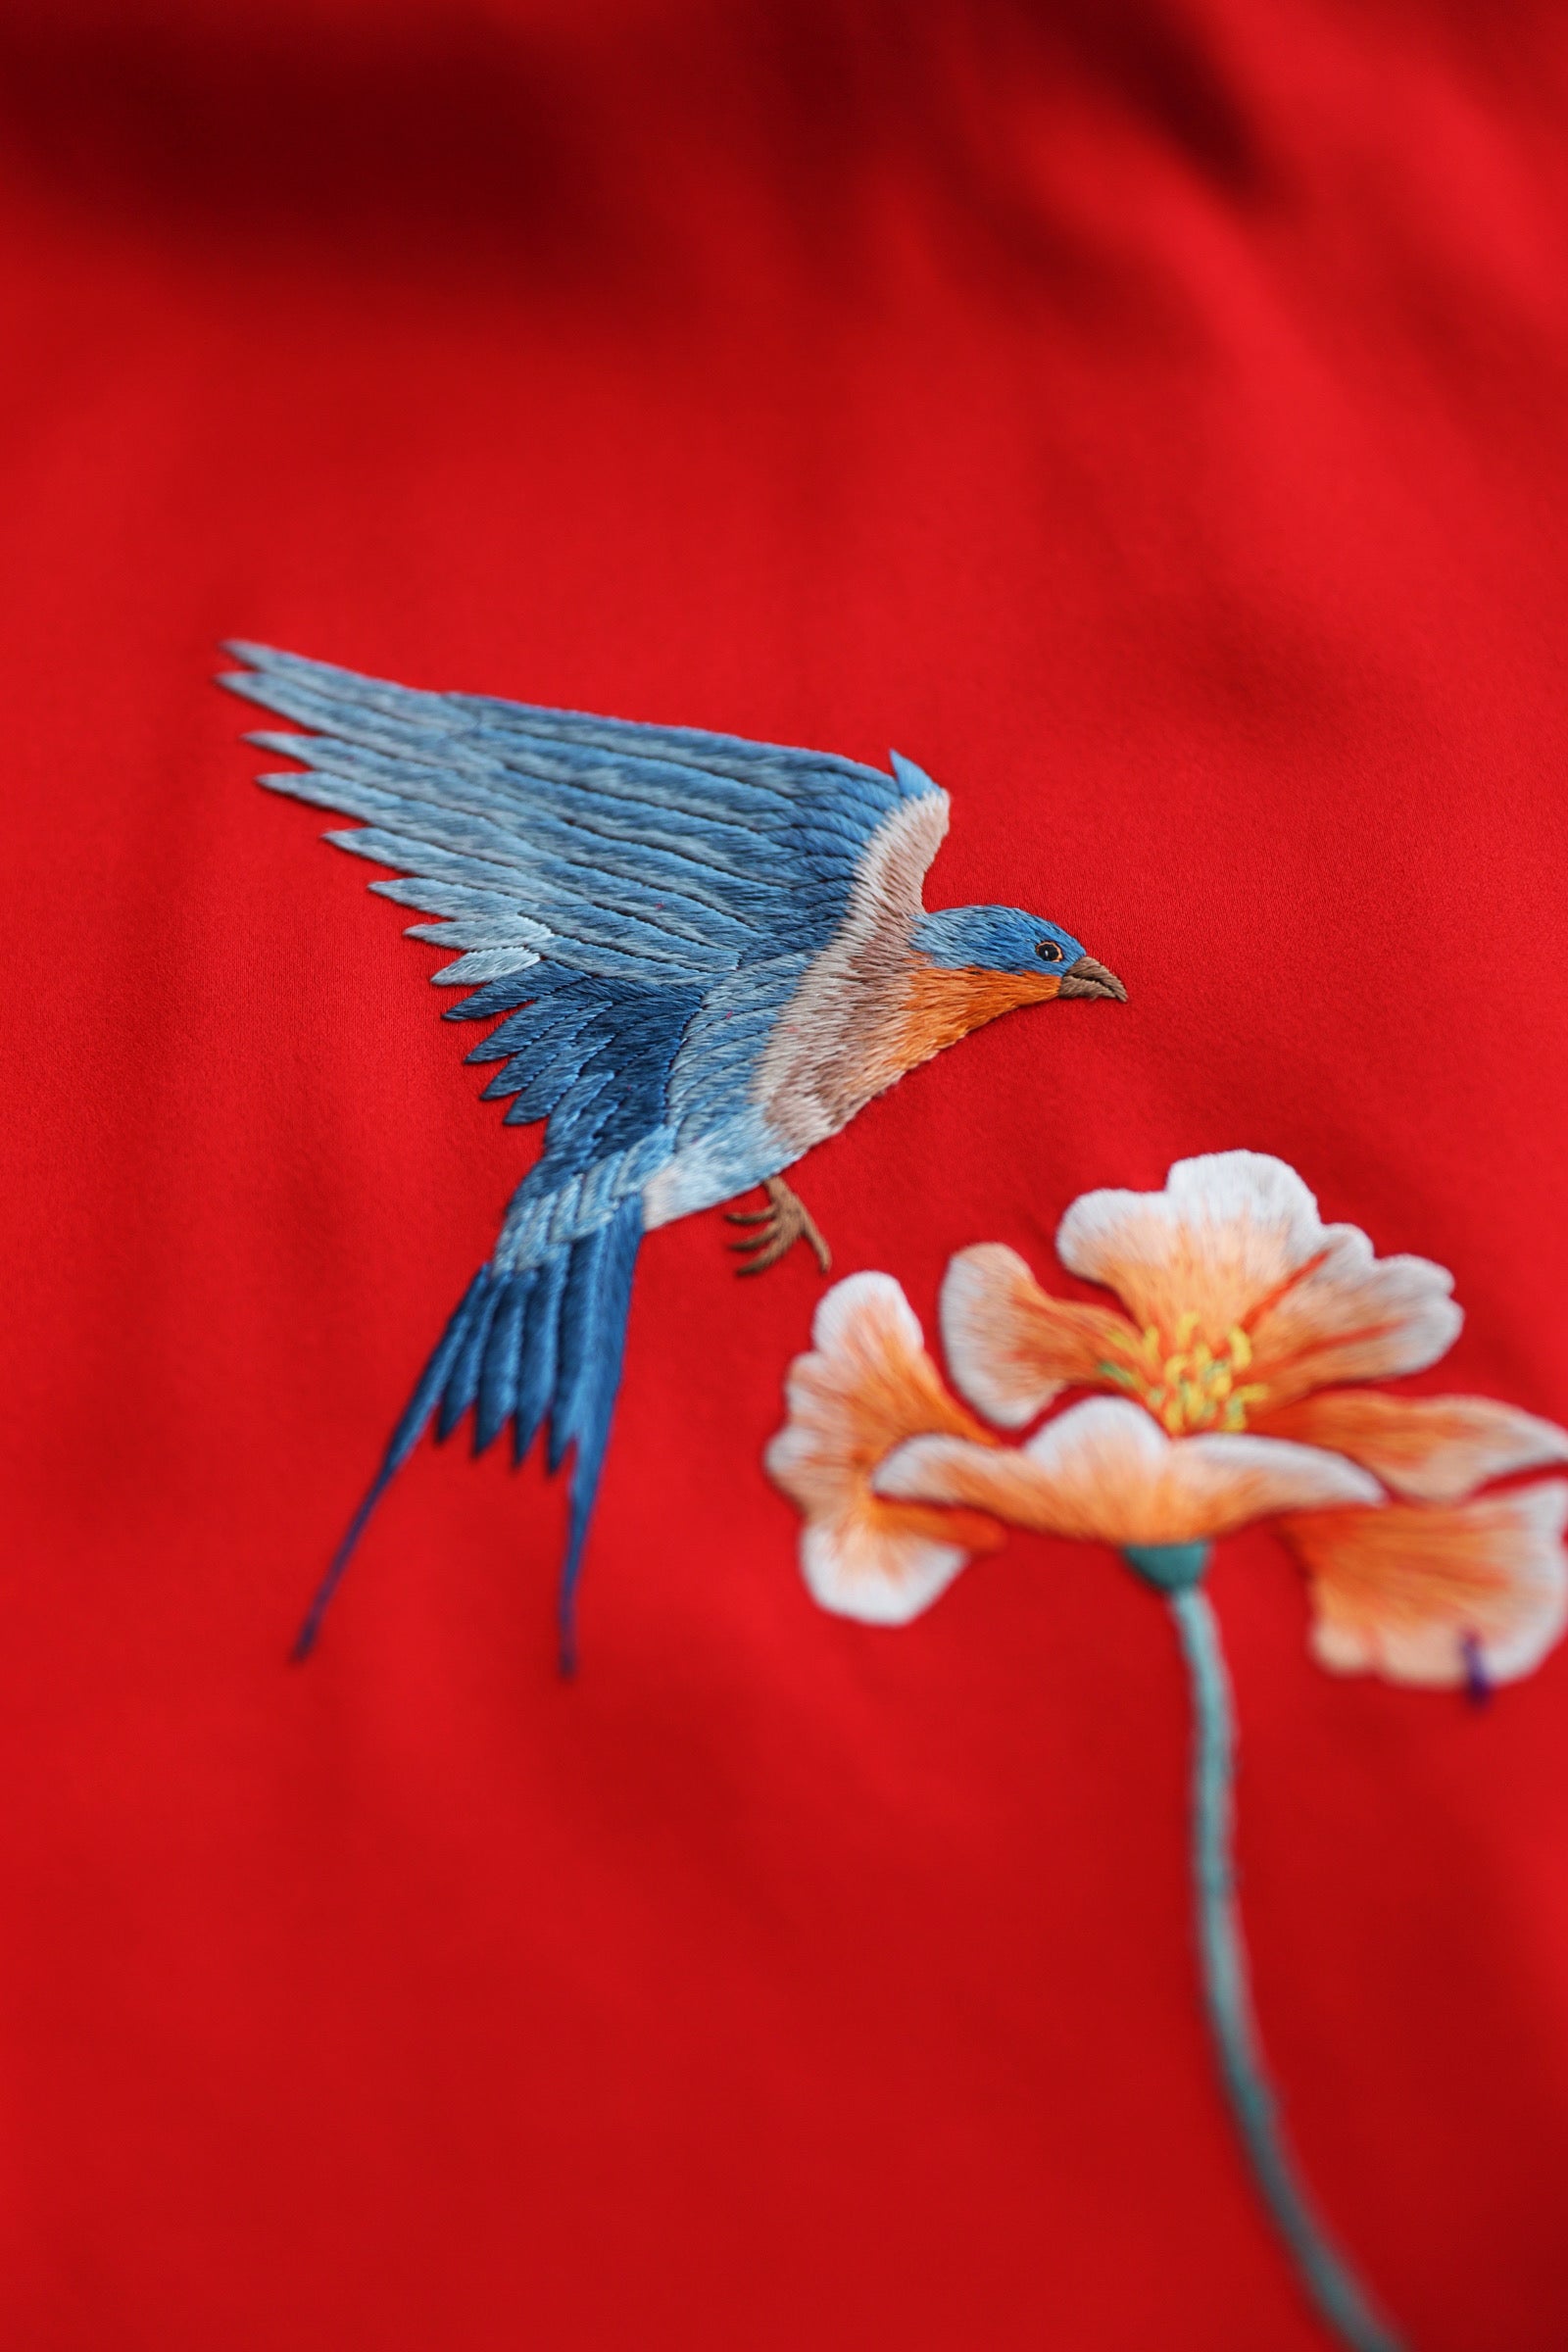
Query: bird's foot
{"x": 785, "y": 1221}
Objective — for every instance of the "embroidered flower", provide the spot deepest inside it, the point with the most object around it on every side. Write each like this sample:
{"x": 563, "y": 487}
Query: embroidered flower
{"x": 1243, "y": 1322}
{"x": 1242, "y": 1314}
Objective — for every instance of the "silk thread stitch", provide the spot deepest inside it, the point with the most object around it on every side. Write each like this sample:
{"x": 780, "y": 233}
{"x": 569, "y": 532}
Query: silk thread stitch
{"x": 704, "y": 955}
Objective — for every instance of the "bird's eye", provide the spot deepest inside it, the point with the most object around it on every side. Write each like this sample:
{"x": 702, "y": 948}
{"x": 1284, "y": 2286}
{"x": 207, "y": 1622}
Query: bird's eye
{"x": 1047, "y": 950}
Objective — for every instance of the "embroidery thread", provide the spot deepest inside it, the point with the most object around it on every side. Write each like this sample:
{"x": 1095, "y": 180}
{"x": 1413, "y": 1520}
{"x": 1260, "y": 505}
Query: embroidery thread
{"x": 704, "y": 955}
{"x": 1220, "y": 1404}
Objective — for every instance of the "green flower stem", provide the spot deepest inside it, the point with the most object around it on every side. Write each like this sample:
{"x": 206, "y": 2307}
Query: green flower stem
{"x": 1325, "y": 2274}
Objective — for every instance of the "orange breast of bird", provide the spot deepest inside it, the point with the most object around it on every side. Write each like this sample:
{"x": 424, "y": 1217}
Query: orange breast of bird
{"x": 940, "y": 1007}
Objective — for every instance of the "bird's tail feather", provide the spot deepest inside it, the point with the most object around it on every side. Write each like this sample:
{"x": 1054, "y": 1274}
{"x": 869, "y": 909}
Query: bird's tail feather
{"x": 548, "y": 1340}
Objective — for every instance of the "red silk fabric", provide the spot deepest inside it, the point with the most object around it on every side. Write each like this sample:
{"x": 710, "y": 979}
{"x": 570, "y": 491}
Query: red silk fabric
{"x": 1152, "y": 418}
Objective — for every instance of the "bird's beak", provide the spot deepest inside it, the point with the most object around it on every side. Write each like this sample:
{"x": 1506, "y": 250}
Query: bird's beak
{"x": 1086, "y": 978}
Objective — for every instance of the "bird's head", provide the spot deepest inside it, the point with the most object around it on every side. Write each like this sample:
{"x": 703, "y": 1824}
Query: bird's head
{"x": 1004, "y": 939}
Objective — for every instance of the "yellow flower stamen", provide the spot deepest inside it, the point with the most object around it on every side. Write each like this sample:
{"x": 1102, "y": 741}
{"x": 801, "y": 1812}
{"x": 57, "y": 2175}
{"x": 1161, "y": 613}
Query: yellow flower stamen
{"x": 1196, "y": 1385}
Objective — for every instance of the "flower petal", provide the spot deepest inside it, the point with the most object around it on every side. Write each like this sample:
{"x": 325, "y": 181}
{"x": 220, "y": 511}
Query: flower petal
{"x": 1402, "y": 1592}
{"x": 1011, "y": 1346}
{"x": 1234, "y": 1244}
{"x": 1104, "y": 1472}
{"x": 1432, "y": 1448}
{"x": 868, "y": 1386}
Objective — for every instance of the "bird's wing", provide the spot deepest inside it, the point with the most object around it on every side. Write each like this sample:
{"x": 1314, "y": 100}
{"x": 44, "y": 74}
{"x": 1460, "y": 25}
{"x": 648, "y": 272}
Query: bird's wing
{"x": 661, "y": 854}
{"x": 603, "y": 881}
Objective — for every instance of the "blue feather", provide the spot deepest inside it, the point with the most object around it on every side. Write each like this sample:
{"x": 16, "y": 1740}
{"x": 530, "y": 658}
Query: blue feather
{"x": 404, "y": 1438}
{"x": 509, "y": 989}
{"x": 543, "y": 1091}
{"x": 499, "y": 1375}
{"x": 463, "y": 1381}
{"x": 525, "y": 1031}
{"x": 560, "y": 1043}
{"x": 594, "y": 1312}
{"x": 536, "y": 1383}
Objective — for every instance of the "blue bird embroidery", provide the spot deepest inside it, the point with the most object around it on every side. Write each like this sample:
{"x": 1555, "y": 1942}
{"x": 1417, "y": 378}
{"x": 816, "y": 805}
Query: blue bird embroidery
{"x": 705, "y": 955}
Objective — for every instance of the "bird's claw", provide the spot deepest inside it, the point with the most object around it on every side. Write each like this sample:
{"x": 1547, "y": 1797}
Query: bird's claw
{"x": 785, "y": 1221}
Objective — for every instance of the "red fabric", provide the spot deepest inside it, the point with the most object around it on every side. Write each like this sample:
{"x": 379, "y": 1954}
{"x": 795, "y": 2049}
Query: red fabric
{"x": 1151, "y": 417}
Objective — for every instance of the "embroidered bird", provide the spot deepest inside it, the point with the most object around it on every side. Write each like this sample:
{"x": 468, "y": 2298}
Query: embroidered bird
{"x": 704, "y": 956}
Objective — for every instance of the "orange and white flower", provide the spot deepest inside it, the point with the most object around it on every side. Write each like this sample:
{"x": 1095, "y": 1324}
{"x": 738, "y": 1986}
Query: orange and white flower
{"x": 1243, "y": 1321}
{"x": 899, "y": 1485}
{"x": 1235, "y": 1363}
